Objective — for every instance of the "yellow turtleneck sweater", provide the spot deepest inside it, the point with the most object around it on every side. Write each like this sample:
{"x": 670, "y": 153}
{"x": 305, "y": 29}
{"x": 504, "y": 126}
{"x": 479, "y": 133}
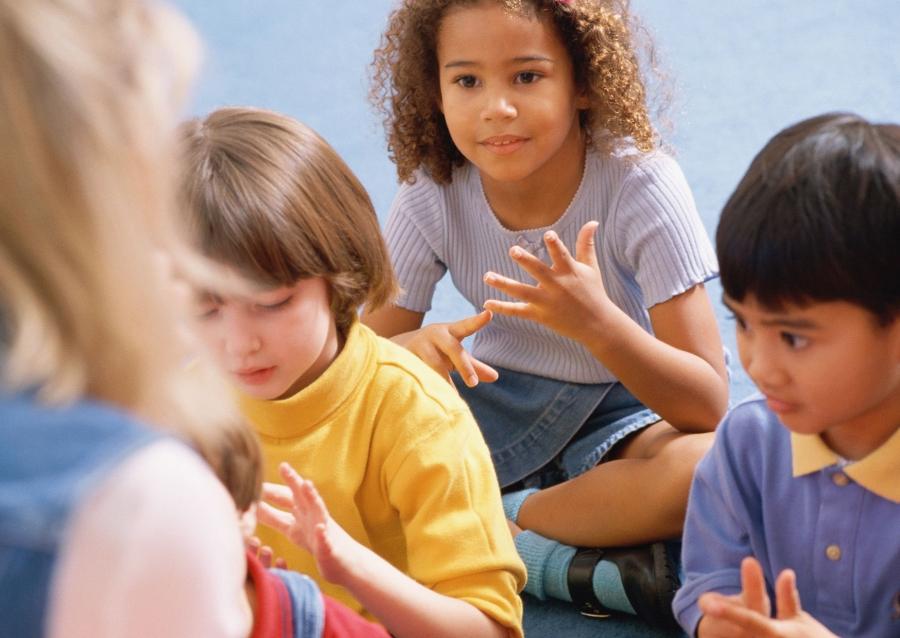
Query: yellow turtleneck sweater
{"x": 402, "y": 466}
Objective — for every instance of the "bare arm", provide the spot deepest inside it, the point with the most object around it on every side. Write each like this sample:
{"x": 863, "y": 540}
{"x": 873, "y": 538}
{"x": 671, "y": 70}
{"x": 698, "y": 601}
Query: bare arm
{"x": 390, "y": 320}
{"x": 679, "y": 372}
{"x": 404, "y": 606}
{"x": 438, "y": 344}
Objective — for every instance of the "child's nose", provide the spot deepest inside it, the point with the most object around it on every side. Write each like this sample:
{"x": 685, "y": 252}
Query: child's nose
{"x": 239, "y": 341}
{"x": 499, "y": 106}
{"x": 764, "y": 368}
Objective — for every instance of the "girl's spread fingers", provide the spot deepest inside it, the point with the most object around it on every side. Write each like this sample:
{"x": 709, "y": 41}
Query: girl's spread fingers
{"x": 486, "y": 373}
{"x": 470, "y": 325}
{"x": 276, "y": 494}
{"x": 585, "y": 246}
{"x": 511, "y": 287}
{"x": 538, "y": 270}
{"x": 508, "y": 308}
{"x": 559, "y": 254}
{"x": 274, "y": 518}
{"x": 462, "y": 362}
{"x": 295, "y": 483}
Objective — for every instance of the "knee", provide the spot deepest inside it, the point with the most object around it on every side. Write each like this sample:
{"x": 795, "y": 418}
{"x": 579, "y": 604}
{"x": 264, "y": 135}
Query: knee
{"x": 685, "y": 451}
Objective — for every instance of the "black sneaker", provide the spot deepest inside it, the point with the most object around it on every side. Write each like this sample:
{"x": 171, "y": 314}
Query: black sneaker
{"x": 649, "y": 576}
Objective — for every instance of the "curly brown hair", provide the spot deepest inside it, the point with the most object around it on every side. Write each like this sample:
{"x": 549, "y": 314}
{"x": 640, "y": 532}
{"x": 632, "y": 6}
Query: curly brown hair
{"x": 598, "y": 34}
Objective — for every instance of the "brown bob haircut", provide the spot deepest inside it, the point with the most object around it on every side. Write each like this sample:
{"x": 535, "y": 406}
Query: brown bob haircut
{"x": 269, "y": 198}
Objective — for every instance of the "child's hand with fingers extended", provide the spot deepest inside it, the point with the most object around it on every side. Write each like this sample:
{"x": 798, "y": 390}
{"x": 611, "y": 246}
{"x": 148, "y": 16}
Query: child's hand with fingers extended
{"x": 308, "y": 524}
{"x": 569, "y": 297}
{"x": 264, "y": 553}
{"x": 749, "y": 613}
{"x": 440, "y": 346}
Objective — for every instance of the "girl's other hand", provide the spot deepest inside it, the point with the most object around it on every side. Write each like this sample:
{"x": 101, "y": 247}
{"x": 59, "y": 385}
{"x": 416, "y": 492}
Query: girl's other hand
{"x": 569, "y": 297}
{"x": 440, "y": 346}
{"x": 308, "y": 524}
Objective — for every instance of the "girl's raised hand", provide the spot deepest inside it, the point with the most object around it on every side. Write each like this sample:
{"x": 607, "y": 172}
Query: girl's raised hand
{"x": 308, "y": 524}
{"x": 569, "y": 297}
{"x": 440, "y": 346}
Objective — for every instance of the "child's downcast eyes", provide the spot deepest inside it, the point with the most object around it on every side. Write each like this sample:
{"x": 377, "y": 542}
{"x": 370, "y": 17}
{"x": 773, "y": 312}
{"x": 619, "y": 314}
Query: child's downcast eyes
{"x": 209, "y": 309}
{"x": 207, "y": 313}
{"x": 277, "y": 305}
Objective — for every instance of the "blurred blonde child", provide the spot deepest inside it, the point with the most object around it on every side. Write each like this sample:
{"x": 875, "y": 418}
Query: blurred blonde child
{"x": 108, "y": 527}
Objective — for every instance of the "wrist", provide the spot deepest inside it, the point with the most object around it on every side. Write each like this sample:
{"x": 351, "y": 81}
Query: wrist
{"x": 606, "y": 330}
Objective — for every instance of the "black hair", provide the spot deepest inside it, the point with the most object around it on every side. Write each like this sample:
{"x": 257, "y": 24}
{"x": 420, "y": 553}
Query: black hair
{"x": 817, "y": 218}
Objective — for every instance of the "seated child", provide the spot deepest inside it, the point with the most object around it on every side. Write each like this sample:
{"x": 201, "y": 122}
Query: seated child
{"x": 799, "y": 499}
{"x": 393, "y": 450}
{"x": 285, "y": 604}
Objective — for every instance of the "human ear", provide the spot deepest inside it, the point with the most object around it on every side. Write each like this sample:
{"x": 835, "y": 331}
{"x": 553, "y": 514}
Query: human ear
{"x": 582, "y": 100}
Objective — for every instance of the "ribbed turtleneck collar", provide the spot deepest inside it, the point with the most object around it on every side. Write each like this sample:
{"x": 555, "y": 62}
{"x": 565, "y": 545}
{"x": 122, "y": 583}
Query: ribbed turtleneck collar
{"x": 315, "y": 403}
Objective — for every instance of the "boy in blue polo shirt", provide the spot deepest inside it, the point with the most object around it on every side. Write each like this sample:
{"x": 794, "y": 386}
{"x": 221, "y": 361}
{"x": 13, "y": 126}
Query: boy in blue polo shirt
{"x": 793, "y": 523}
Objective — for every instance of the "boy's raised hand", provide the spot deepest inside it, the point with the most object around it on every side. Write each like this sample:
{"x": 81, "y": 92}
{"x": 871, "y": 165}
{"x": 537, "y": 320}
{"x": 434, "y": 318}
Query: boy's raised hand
{"x": 749, "y": 613}
{"x": 308, "y": 524}
{"x": 569, "y": 297}
{"x": 440, "y": 346}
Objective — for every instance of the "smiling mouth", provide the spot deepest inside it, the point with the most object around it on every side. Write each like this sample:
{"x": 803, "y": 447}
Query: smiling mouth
{"x": 502, "y": 140}
{"x": 502, "y": 144}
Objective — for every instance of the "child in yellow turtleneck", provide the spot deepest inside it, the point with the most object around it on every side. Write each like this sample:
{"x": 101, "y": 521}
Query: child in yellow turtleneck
{"x": 393, "y": 450}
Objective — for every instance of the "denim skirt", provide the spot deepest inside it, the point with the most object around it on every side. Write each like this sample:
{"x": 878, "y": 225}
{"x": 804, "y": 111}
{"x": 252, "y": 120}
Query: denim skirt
{"x": 543, "y": 431}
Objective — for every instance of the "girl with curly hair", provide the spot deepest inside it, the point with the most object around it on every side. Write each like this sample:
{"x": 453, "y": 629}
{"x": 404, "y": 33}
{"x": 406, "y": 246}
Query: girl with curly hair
{"x": 521, "y": 127}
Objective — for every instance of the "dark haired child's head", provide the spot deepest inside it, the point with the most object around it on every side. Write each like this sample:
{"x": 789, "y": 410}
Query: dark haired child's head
{"x": 410, "y": 81}
{"x": 271, "y": 201}
{"x": 269, "y": 198}
{"x": 233, "y": 452}
{"x": 817, "y": 218}
{"x": 809, "y": 254}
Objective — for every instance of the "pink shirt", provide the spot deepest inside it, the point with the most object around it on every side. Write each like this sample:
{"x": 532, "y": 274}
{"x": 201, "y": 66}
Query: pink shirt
{"x": 154, "y": 551}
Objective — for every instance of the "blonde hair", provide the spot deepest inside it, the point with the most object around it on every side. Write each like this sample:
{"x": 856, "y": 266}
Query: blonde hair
{"x": 89, "y": 97}
{"x": 600, "y": 36}
{"x": 270, "y": 198}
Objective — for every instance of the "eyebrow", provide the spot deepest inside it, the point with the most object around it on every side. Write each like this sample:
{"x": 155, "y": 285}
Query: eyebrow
{"x": 785, "y": 322}
{"x": 518, "y": 60}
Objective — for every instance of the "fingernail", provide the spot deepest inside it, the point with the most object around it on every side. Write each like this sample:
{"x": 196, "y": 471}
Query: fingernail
{"x": 549, "y": 236}
{"x": 472, "y": 381}
{"x": 515, "y": 251}
{"x": 489, "y": 277}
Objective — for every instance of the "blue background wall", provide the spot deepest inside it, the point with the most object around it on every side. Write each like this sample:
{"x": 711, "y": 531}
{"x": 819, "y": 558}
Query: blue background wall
{"x": 739, "y": 71}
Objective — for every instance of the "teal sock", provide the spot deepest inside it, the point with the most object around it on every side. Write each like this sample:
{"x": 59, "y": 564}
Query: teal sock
{"x": 537, "y": 553}
{"x": 547, "y": 562}
{"x": 608, "y": 587}
{"x": 512, "y": 502}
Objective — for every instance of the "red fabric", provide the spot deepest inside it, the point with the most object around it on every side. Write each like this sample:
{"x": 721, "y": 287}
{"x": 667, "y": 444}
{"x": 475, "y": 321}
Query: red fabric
{"x": 343, "y": 622}
{"x": 273, "y": 618}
